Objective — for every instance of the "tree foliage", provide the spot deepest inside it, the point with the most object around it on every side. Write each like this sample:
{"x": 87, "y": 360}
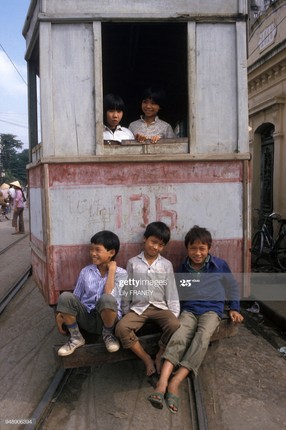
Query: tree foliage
{"x": 13, "y": 163}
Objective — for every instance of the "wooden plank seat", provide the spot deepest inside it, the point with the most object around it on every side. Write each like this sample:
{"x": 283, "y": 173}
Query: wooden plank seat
{"x": 94, "y": 353}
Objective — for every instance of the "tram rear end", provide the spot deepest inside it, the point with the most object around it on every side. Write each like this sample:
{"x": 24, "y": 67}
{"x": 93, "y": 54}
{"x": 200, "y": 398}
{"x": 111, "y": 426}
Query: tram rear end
{"x": 78, "y": 185}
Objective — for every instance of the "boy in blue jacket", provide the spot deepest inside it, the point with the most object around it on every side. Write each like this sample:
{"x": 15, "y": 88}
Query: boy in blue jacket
{"x": 207, "y": 286}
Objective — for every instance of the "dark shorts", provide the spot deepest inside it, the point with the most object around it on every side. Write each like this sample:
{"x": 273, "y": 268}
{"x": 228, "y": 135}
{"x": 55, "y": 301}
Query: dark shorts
{"x": 89, "y": 321}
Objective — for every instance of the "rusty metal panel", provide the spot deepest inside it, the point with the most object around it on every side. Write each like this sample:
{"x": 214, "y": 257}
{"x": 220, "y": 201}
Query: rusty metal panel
{"x": 92, "y": 198}
{"x": 83, "y": 198}
{"x": 93, "y": 208}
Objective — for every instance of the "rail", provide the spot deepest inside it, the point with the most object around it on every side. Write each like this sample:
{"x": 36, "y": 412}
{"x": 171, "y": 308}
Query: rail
{"x": 61, "y": 380}
{"x": 13, "y": 243}
{"x": 198, "y": 413}
{"x": 48, "y": 400}
{"x": 8, "y": 296}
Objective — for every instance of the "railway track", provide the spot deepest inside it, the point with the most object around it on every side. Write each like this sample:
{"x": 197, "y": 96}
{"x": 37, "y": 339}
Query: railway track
{"x": 6, "y": 298}
{"x": 15, "y": 268}
{"x": 77, "y": 397}
{"x": 198, "y": 413}
{"x": 11, "y": 245}
{"x": 49, "y": 399}
{"x": 60, "y": 384}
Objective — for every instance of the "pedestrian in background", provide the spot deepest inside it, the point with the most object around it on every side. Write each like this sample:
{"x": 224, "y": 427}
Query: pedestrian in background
{"x": 4, "y": 204}
{"x": 18, "y": 209}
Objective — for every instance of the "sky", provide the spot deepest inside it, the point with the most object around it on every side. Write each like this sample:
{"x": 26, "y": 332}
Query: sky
{"x": 13, "y": 70}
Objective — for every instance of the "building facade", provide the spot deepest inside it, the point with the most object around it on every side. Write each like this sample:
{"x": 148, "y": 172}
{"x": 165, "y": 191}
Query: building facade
{"x": 267, "y": 114}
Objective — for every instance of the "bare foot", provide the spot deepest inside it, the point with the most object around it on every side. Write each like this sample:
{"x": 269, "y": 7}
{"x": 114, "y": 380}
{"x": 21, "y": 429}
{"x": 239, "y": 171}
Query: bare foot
{"x": 173, "y": 395}
{"x": 150, "y": 367}
{"x": 173, "y": 386}
{"x": 161, "y": 387}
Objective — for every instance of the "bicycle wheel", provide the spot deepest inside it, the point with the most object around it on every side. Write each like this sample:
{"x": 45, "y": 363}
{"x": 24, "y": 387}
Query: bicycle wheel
{"x": 281, "y": 252}
{"x": 257, "y": 243}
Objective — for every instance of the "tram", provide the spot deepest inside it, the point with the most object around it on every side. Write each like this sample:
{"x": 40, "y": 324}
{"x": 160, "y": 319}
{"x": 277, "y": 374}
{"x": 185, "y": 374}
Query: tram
{"x": 77, "y": 52}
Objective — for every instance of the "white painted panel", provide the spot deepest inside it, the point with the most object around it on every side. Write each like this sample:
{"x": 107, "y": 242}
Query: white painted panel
{"x": 133, "y": 7}
{"x": 73, "y": 86}
{"x": 36, "y": 215}
{"x": 216, "y": 88}
{"x": 242, "y": 88}
{"x": 78, "y": 213}
{"x": 46, "y": 89}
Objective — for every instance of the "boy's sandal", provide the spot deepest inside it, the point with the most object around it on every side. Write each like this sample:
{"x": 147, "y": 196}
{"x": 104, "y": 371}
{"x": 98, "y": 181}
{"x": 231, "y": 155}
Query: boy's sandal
{"x": 172, "y": 402}
{"x": 157, "y": 400}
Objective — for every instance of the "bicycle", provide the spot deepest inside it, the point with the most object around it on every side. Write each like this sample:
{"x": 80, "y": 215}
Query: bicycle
{"x": 3, "y": 213}
{"x": 266, "y": 244}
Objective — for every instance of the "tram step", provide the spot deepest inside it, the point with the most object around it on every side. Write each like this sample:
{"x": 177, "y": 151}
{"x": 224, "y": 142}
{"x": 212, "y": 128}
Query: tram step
{"x": 95, "y": 354}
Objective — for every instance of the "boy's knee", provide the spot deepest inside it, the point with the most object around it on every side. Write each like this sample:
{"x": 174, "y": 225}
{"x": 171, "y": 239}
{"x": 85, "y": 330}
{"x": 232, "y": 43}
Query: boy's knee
{"x": 65, "y": 298}
{"x": 107, "y": 301}
{"x": 66, "y": 295}
{"x": 175, "y": 325}
{"x": 127, "y": 337}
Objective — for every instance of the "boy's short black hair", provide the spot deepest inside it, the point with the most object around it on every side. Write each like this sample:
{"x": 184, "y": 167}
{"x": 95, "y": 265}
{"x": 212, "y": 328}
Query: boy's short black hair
{"x": 108, "y": 239}
{"x": 157, "y": 95}
{"x": 158, "y": 229}
{"x": 113, "y": 102}
{"x": 198, "y": 233}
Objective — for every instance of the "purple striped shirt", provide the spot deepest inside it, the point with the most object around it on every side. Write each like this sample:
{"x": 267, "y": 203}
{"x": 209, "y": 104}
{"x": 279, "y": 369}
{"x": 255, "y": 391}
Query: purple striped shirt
{"x": 90, "y": 286}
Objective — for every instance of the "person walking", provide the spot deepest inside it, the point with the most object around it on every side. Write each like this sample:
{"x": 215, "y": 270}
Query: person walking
{"x": 19, "y": 205}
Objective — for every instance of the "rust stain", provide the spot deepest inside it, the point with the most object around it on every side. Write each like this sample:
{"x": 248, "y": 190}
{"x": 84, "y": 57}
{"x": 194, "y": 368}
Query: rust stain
{"x": 144, "y": 173}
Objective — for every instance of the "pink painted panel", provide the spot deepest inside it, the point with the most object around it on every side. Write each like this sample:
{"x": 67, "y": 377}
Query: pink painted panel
{"x": 65, "y": 263}
{"x": 41, "y": 279}
{"x": 145, "y": 173}
{"x": 36, "y": 177}
{"x": 39, "y": 244}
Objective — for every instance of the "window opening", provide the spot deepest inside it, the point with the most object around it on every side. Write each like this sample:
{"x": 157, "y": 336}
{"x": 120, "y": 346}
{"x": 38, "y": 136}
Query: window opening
{"x": 266, "y": 176}
{"x": 136, "y": 56}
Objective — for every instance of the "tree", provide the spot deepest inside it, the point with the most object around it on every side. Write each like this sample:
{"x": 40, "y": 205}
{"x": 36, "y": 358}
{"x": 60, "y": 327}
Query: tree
{"x": 12, "y": 163}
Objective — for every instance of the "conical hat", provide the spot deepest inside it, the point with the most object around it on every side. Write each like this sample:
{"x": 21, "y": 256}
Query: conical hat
{"x": 16, "y": 184}
{"x": 4, "y": 186}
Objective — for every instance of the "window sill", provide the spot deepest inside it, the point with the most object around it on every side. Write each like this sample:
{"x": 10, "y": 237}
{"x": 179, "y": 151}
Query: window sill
{"x": 132, "y": 147}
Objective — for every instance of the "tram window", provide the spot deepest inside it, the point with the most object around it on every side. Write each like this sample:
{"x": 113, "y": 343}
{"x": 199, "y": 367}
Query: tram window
{"x": 136, "y": 56}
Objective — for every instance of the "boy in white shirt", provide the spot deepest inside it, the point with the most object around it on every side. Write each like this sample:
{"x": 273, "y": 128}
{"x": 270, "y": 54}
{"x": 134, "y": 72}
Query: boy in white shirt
{"x": 151, "y": 295}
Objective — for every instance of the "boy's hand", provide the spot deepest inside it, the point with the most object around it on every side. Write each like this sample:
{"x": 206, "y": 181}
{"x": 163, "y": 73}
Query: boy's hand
{"x": 140, "y": 137}
{"x": 109, "y": 285}
{"x": 154, "y": 139}
{"x": 235, "y": 317}
{"x": 60, "y": 322}
{"x": 111, "y": 266}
